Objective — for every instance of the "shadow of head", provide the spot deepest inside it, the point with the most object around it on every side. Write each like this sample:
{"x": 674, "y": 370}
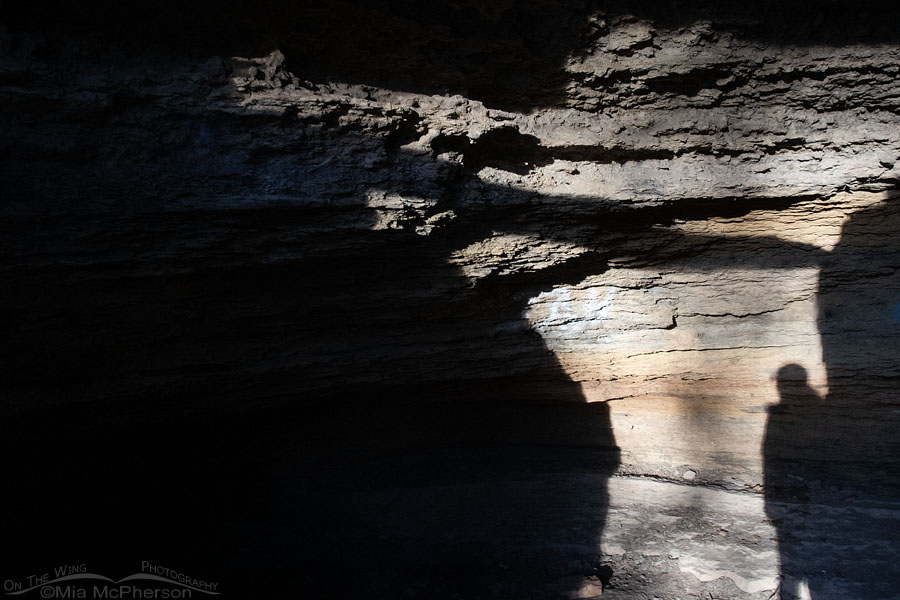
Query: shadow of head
{"x": 793, "y": 385}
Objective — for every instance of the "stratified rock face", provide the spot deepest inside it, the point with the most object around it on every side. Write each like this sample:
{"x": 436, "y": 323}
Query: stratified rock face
{"x": 673, "y": 226}
{"x": 682, "y": 214}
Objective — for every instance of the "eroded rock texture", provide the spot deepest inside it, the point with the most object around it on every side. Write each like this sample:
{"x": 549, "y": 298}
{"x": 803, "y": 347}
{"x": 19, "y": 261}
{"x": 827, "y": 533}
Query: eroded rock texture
{"x": 631, "y": 234}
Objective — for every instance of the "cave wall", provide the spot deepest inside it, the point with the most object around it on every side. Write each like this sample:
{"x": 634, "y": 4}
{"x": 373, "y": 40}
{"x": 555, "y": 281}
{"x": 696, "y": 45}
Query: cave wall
{"x": 650, "y": 220}
{"x": 678, "y": 215}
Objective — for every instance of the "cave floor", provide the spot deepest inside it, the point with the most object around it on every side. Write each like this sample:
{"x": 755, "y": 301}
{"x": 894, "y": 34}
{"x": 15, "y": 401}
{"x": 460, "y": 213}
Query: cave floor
{"x": 372, "y": 504}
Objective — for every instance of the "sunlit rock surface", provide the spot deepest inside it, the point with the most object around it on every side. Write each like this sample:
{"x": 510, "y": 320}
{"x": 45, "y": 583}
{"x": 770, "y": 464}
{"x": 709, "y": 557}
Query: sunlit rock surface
{"x": 588, "y": 289}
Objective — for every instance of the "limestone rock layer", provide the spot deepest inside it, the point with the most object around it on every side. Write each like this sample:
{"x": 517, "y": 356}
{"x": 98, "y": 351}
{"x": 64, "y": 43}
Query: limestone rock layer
{"x": 664, "y": 232}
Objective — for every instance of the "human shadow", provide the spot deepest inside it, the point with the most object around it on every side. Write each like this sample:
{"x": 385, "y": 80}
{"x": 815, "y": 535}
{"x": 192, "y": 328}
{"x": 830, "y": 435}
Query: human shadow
{"x": 832, "y": 466}
{"x": 795, "y": 455}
